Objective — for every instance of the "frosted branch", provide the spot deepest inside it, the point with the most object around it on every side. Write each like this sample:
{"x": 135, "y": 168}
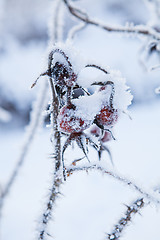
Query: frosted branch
{"x": 47, "y": 215}
{"x": 116, "y": 176}
{"x": 57, "y": 171}
{"x": 55, "y": 23}
{"x": 76, "y": 29}
{"x": 137, "y": 30}
{"x": 57, "y": 178}
{"x": 132, "y": 210}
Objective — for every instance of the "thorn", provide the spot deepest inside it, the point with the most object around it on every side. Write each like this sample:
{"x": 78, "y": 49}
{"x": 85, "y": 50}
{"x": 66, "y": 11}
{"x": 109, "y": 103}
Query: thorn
{"x": 33, "y": 84}
{"x": 80, "y": 144}
{"x": 109, "y": 153}
{"x": 102, "y": 127}
{"x": 100, "y": 154}
{"x": 49, "y": 235}
{"x": 42, "y": 74}
{"x": 77, "y": 160}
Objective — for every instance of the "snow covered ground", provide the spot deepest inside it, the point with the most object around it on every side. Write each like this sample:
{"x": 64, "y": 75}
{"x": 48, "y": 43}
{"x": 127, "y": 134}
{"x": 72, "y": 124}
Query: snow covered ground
{"x": 90, "y": 203}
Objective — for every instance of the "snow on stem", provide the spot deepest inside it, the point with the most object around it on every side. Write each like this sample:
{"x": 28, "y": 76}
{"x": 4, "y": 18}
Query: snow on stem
{"x": 123, "y": 222}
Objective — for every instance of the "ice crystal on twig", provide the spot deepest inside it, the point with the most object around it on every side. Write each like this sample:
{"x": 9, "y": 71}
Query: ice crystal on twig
{"x": 132, "y": 210}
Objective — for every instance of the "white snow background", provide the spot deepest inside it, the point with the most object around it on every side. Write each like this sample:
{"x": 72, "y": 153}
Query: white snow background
{"x": 90, "y": 203}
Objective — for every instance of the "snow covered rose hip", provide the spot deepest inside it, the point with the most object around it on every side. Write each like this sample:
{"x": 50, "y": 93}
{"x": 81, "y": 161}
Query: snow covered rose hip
{"x": 69, "y": 122}
{"x": 108, "y": 116}
{"x": 63, "y": 75}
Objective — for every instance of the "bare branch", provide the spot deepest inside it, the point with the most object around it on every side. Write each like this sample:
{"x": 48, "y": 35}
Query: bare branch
{"x": 116, "y": 176}
{"x": 76, "y": 29}
{"x": 137, "y": 30}
{"x": 98, "y": 67}
{"x": 57, "y": 178}
{"x": 132, "y": 210}
{"x": 47, "y": 215}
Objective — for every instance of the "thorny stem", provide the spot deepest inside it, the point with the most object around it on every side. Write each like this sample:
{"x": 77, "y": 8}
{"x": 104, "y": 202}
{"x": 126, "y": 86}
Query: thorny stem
{"x": 132, "y": 210}
{"x": 115, "y": 176}
{"x": 57, "y": 174}
{"x": 55, "y": 105}
{"x": 139, "y": 29}
{"x": 57, "y": 178}
{"x": 47, "y": 215}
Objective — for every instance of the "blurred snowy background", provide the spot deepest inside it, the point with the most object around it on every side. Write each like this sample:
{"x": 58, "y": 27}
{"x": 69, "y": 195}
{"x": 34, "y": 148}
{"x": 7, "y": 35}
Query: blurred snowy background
{"x": 92, "y": 203}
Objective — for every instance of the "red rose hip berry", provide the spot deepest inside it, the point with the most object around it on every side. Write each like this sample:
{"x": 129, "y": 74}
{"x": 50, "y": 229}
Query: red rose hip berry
{"x": 107, "y": 116}
{"x": 69, "y": 122}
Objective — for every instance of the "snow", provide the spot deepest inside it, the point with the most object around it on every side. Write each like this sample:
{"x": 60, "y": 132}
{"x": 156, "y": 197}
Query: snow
{"x": 89, "y": 106}
{"x": 90, "y": 203}
{"x": 20, "y": 66}
{"x": 70, "y": 120}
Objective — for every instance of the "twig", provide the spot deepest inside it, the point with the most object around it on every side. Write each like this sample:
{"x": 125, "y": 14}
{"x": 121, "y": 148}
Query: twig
{"x": 76, "y": 29}
{"x": 117, "y": 177}
{"x": 55, "y": 25}
{"x": 138, "y": 29}
{"x": 132, "y": 210}
{"x": 98, "y": 67}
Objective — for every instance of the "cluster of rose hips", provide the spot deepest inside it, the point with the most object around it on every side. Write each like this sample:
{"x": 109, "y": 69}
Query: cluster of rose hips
{"x": 65, "y": 83}
{"x": 71, "y": 124}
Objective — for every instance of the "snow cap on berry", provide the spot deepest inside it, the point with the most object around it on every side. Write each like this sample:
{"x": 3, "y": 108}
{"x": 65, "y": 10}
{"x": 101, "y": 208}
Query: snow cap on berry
{"x": 70, "y": 122}
{"x": 88, "y": 106}
{"x": 122, "y": 96}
